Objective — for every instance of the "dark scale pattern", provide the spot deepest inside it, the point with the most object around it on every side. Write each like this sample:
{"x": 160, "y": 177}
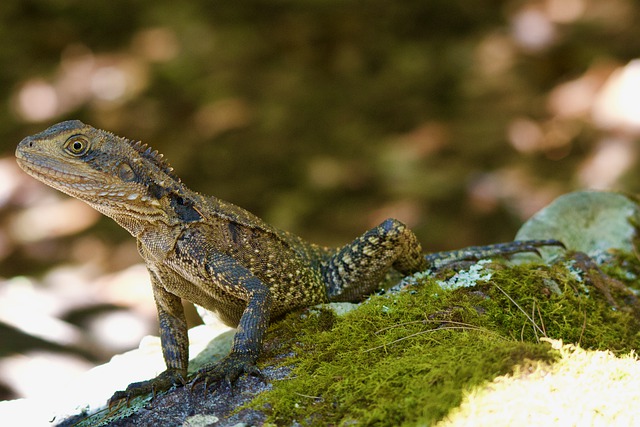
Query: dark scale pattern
{"x": 213, "y": 253}
{"x": 358, "y": 268}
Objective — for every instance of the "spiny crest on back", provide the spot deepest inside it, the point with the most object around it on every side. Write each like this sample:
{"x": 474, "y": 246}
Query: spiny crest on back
{"x": 153, "y": 156}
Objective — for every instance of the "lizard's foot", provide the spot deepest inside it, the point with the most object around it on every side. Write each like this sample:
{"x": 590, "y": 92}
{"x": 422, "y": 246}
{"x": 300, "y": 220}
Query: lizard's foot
{"x": 476, "y": 253}
{"x": 162, "y": 382}
{"x": 226, "y": 370}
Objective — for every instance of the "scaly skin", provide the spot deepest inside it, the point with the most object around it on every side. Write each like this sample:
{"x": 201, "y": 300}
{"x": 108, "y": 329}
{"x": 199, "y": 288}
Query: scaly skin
{"x": 215, "y": 254}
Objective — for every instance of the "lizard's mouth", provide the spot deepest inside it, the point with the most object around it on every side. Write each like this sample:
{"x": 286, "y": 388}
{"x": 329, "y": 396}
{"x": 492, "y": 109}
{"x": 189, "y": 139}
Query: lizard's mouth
{"x": 59, "y": 178}
{"x": 82, "y": 186}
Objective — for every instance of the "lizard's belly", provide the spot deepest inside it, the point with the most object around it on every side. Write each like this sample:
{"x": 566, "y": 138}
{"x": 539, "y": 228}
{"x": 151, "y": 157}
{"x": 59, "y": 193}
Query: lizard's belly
{"x": 200, "y": 292}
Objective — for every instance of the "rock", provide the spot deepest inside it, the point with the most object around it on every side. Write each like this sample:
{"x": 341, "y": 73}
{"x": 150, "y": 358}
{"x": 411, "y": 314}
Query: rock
{"x": 593, "y": 222}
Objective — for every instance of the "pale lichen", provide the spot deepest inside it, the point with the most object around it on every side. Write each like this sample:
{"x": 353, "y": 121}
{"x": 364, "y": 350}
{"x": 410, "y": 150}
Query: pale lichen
{"x": 466, "y": 278}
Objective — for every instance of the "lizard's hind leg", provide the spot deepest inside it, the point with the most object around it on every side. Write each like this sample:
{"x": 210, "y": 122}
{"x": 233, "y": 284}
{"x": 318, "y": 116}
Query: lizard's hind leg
{"x": 356, "y": 269}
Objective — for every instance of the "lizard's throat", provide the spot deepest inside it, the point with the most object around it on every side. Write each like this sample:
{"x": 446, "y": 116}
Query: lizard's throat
{"x": 131, "y": 219}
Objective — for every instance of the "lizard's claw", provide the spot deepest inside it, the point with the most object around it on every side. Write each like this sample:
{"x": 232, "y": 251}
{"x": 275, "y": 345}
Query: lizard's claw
{"x": 162, "y": 382}
{"x": 253, "y": 370}
{"x": 226, "y": 370}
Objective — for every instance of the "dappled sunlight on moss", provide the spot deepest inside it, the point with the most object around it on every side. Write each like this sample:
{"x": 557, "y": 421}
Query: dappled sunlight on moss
{"x": 544, "y": 394}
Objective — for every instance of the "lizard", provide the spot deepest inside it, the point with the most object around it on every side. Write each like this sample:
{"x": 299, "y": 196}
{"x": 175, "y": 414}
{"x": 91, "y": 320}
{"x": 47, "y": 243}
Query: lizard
{"x": 215, "y": 254}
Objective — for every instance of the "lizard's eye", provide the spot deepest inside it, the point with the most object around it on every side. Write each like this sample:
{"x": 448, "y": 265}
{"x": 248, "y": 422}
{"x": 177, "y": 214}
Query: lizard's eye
{"x": 77, "y": 145}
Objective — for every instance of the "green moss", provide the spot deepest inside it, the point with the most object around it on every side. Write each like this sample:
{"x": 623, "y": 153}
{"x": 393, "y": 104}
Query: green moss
{"x": 579, "y": 314}
{"x": 408, "y": 358}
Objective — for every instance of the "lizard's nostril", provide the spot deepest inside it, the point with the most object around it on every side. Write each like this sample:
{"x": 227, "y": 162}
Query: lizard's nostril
{"x": 27, "y": 143}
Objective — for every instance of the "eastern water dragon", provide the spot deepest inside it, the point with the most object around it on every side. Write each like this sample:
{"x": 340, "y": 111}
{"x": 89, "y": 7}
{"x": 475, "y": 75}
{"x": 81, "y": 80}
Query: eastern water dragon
{"x": 215, "y": 254}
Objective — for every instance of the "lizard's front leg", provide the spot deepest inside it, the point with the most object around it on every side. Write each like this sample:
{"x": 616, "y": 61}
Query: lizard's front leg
{"x": 175, "y": 345}
{"x": 247, "y": 343}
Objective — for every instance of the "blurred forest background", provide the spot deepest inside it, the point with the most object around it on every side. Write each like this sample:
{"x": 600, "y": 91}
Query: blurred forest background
{"x": 460, "y": 117}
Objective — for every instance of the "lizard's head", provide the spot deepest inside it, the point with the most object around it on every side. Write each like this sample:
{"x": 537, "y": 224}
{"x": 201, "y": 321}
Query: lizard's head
{"x": 113, "y": 174}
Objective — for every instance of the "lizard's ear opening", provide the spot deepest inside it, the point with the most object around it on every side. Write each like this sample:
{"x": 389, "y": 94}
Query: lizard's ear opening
{"x": 125, "y": 172}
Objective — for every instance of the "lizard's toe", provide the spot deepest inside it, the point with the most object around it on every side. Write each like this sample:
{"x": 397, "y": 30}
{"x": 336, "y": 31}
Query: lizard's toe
{"x": 162, "y": 382}
{"x": 225, "y": 371}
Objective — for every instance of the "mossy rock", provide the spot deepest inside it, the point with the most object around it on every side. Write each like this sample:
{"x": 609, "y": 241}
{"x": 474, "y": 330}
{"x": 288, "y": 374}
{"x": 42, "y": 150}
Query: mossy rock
{"x": 593, "y": 222}
{"x": 410, "y": 358}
